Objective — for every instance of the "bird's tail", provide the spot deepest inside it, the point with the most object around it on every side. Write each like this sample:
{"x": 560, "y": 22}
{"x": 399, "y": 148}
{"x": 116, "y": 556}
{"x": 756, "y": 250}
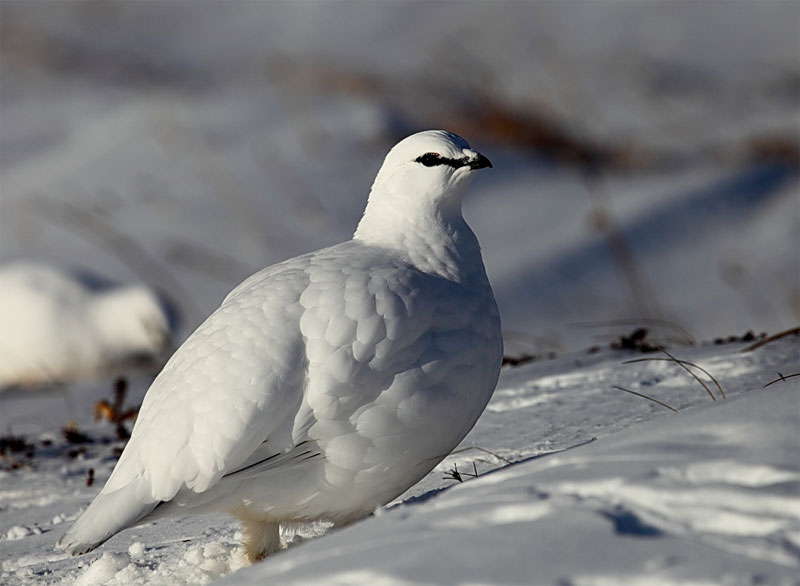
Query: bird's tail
{"x": 108, "y": 514}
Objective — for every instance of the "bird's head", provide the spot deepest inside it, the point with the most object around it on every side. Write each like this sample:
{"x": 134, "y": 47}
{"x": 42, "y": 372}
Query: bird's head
{"x": 434, "y": 165}
{"x": 419, "y": 187}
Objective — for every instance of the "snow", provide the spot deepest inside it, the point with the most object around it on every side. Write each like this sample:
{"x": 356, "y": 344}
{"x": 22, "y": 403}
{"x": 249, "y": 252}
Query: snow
{"x": 162, "y": 143}
{"x": 604, "y": 487}
{"x": 104, "y": 569}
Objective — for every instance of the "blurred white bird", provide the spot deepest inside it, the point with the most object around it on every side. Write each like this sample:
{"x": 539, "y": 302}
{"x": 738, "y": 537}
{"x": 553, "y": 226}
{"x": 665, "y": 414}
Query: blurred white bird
{"x": 326, "y": 385}
{"x": 55, "y": 328}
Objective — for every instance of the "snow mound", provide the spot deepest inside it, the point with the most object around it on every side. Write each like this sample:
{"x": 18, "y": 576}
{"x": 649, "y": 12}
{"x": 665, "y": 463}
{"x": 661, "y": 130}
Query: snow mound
{"x": 200, "y": 564}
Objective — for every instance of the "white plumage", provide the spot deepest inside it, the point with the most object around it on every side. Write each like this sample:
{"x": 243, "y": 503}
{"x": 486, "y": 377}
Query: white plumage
{"x": 54, "y": 328}
{"x": 326, "y": 385}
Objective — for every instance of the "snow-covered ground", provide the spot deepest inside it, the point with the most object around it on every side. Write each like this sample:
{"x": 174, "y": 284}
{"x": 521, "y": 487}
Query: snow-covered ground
{"x": 186, "y": 145}
{"x": 579, "y": 483}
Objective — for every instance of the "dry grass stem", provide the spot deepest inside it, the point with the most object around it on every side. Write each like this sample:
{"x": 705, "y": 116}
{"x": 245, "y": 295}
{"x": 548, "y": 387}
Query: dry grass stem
{"x": 645, "y": 397}
{"x": 685, "y": 336}
{"x": 485, "y": 451}
{"x": 791, "y": 331}
{"x": 781, "y": 378}
{"x": 685, "y": 364}
{"x": 126, "y": 249}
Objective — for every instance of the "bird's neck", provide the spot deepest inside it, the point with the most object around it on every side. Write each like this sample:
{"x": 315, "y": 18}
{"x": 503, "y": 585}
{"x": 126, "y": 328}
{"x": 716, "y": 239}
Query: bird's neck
{"x": 431, "y": 235}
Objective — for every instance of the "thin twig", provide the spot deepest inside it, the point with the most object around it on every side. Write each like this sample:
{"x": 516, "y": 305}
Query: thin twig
{"x": 645, "y": 397}
{"x": 454, "y": 474}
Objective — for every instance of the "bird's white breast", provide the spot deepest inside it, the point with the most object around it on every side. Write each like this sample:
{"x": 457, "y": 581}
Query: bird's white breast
{"x": 400, "y": 365}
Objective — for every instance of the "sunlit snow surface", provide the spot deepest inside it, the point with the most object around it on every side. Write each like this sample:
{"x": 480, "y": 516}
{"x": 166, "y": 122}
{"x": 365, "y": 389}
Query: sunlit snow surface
{"x": 605, "y": 488}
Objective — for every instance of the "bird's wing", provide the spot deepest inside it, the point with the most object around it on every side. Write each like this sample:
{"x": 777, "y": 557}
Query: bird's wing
{"x": 265, "y": 459}
{"x": 234, "y": 384}
{"x": 226, "y": 399}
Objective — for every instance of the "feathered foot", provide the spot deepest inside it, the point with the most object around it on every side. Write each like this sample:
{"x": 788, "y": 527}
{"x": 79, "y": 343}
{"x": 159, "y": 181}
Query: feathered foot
{"x": 262, "y": 538}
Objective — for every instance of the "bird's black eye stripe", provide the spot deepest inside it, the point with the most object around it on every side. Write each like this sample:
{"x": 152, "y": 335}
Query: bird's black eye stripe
{"x": 433, "y": 159}
{"x": 430, "y": 159}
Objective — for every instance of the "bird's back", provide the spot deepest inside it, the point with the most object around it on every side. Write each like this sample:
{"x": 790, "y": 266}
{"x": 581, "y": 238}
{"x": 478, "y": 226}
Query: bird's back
{"x": 42, "y": 311}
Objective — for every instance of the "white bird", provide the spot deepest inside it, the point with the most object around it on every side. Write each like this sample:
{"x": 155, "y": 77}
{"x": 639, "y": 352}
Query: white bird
{"x": 54, "y": 328}
{"x": 326, "y": 385}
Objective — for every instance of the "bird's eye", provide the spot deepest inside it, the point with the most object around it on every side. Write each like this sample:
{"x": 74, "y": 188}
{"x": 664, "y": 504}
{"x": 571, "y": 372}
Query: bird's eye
{"x": 429, "y": 159}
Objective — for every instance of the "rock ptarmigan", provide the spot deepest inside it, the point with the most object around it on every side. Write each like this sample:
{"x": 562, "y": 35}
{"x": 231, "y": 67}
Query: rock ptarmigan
{"x": 326, "y": 385}
{"x": 54, "y": 328}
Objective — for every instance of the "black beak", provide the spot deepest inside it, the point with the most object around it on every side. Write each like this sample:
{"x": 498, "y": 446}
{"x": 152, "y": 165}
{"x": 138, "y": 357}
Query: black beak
{"x": 480, "y": 162}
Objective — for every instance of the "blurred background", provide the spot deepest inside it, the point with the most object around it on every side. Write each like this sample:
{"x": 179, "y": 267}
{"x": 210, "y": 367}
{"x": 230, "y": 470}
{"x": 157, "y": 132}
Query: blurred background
{"x": 645, "y": 154}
